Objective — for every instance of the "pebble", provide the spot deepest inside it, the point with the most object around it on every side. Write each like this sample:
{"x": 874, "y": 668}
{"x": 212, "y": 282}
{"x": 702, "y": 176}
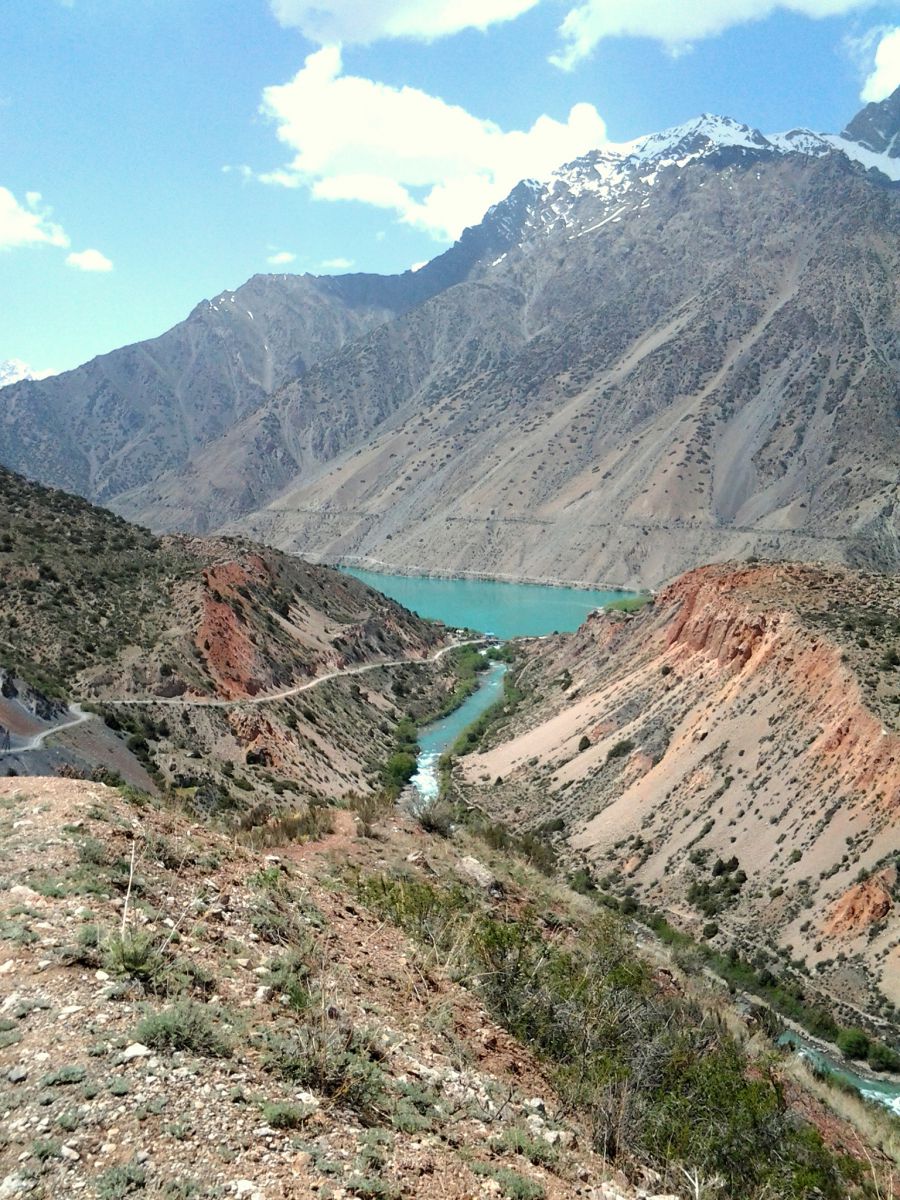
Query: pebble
{"x": 5, "y": 969}
{"x": 70, "y": 1153}
{"x": 17, "y": 1075}
{"x": 135, "y": 1050}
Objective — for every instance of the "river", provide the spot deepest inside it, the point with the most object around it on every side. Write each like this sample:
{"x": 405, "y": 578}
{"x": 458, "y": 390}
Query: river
{"x": 882, "y": 1091}
{"x": 506, "y": 610}
{"x": 434, "y": 739}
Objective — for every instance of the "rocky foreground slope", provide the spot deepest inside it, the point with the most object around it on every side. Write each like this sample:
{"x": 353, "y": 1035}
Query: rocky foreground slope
{"x": 730, "y": 758}
{"x": 371, "y": 1014}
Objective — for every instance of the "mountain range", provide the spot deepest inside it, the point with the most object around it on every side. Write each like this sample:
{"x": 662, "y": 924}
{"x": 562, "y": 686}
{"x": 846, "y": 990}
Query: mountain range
{"x": 679, "y": 350}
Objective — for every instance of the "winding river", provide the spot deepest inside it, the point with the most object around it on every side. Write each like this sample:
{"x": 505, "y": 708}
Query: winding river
{"x": 434, "y": 739}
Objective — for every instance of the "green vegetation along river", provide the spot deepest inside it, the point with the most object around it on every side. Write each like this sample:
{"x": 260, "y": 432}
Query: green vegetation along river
{"x": 506, "y": 610}
{"x": 434, "y": 739}
{"x": 881, "y": 1091}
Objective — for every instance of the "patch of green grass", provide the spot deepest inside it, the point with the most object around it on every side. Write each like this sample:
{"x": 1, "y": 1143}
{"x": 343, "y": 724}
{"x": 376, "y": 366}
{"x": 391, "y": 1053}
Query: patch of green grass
{"x": 629, "y": 604}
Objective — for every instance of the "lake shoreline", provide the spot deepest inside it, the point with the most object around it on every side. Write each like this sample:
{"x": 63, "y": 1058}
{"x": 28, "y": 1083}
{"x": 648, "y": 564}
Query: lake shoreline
{"x": 362, "y": 562}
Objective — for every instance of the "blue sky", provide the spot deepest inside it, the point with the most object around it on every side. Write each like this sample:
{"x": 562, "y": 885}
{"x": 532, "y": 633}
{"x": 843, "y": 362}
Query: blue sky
{"x": 156, "y": 152}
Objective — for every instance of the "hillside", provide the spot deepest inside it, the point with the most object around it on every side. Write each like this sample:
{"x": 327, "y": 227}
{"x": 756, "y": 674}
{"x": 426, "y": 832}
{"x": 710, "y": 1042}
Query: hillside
{"x": 728, "y": 757}
{"x": 709, "y": 373}
{"x": 179, "y": 642}
{"x": 359, "y": 1015}
{"x": 126, "y": 418}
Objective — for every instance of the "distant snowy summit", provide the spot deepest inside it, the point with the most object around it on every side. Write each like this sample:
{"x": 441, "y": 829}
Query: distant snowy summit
{"x": 621, "y": 174}
{"x": 12, "y": 370}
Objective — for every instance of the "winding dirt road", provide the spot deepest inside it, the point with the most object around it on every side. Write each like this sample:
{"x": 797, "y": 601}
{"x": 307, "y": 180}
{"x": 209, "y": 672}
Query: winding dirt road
{"x": 79, "y": 716}
{"x": 271, "y": 697}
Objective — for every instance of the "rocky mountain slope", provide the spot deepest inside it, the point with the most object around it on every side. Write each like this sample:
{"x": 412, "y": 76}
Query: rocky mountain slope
{"x": 126, "y": 418}
{"x": 674, "y": 351}
{"x": 179, "y": 642}
{"x": 730, "y": 757}
{"x": 362, "y": 1015}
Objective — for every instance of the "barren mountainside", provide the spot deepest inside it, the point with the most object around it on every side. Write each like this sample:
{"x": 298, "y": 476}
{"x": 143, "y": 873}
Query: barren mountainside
{"x": 676, "y": 351}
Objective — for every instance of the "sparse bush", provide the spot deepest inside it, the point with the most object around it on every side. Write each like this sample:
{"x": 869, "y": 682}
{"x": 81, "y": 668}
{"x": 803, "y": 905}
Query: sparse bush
{"x": 437, "y": 818}
{"x": 119, "y": 1182}
{"x": 286, "y": 1116}
{"x": 620, "y": 749}
{"x": 332, "y": 1059}
{"x": 183, "y": 1026}
{"x": 135, "y": 954}
{"x": 513, "y": 1186}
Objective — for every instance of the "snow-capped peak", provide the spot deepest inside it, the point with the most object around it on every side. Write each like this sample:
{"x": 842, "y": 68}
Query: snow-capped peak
{"x": 628, "y": 169}
{"x": 705, "y": 133}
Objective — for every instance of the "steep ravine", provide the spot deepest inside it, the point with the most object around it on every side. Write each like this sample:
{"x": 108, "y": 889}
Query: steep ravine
{"x": 749, "y": 714}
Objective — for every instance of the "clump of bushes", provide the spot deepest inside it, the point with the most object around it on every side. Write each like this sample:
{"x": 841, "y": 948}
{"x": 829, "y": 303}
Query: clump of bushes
{"x": 667, "y": 1086}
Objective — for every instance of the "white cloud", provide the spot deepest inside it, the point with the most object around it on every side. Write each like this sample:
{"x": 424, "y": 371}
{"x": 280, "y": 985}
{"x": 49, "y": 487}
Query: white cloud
{"x": 27, "y": 224}
{"x": 676, "y": 23}
{"x": 337, "y": 264}
{"x": 89, "y": 260}
{"x": 434, "y": 164}
{"x": 885, "y": 74}
{"x": 330, "y": 21}
{"x": 282, "y": 258}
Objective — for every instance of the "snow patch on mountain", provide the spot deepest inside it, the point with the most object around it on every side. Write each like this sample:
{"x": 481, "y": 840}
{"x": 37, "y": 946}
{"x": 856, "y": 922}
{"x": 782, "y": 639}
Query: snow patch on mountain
{"x": 13, "y": 370}
{"x": 609, "y": 174}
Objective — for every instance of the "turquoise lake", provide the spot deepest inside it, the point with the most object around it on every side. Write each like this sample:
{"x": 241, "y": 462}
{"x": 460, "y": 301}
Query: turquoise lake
{"x": 506, "y": 610}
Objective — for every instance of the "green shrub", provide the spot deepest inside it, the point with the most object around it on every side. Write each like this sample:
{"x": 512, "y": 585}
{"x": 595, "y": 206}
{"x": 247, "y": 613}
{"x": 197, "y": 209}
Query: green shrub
{"x": 517, "y": 1140}
{"x": 883, "y": 1058}
{"x": 183, "y": 1026}
{"x": 135, "y": 954}
{"x": 286, "y": 1116}
{"x": 329, "y": 1058}
{"x": 620, "y": 749}
{"x": 118, "y": 1182}
{"x": 64, "y": 1076}
{"x": 853, "y": 1042}
{"x": 513, "y": 1186}
{"x": 668, "y": 1086}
